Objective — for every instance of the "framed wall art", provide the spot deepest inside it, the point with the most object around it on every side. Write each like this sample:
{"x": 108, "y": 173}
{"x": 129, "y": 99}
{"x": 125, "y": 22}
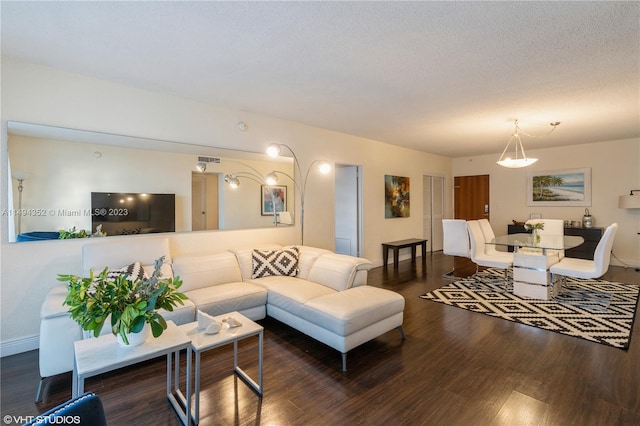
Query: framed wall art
{"x": 396, "y": 196}
{"x": 560, "y": 188}
{"x": 273, "y": 195}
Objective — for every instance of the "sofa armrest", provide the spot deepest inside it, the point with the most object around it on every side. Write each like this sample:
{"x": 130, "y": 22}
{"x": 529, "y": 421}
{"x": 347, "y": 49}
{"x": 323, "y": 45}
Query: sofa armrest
{"x": 339, "y": 271}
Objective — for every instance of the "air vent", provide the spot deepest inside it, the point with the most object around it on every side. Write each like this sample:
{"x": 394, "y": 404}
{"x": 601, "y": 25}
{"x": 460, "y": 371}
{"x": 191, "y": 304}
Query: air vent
{"x": 215, "y": 160}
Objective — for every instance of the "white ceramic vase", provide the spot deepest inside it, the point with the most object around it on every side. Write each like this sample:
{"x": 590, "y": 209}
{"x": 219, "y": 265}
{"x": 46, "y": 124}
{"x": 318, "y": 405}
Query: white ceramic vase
{"x": 136, "y": 339}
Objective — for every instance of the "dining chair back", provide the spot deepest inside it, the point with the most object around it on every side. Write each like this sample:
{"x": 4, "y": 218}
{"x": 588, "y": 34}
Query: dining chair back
{"x": 455, "y": 237}
{"x": 455, "y": 240}
{"x": 488, "y": 234}
{"x": 551, "y": 227}
{"x": 586, "y": 269}
{"x": 480, "y": 257}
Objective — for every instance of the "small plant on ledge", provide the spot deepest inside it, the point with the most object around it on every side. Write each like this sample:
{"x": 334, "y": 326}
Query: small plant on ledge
{"x": 131, "y": 300}
{"x": 63, "y": 234}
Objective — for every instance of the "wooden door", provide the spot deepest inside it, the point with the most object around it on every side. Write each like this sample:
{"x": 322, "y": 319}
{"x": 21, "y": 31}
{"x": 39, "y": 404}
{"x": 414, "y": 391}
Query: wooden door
{"x": 470, "y": 202}
{"x": 471, "y": 197}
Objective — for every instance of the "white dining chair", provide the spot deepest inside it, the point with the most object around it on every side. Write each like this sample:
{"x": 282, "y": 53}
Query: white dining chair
{"x": 455, "y": 240}
{"x": 587, "y": 269}
{"x": 480, "y": 257}
{"x": 552, "y": 227}
{"x": 488, "y": 234}
{"x": 584, "y": 268}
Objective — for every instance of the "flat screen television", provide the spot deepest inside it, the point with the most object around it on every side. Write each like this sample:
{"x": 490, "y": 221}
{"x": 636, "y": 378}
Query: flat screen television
{"x": 133, "y": 213}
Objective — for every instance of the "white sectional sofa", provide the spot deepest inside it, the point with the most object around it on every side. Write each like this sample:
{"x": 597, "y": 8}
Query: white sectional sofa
{"x": 326, "y": 297}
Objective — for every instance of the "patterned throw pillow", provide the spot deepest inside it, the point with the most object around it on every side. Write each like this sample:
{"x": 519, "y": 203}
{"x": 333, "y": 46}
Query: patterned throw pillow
{"x": 275, "y": 262}
{"x": 135, "y": 272}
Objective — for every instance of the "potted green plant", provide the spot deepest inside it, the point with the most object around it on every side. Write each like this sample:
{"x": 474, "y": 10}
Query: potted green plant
{"x": 132, "y": 302}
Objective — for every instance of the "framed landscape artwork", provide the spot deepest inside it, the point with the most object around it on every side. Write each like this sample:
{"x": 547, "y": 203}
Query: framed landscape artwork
{"x": 559, "y": 188}
{"x": 271, "y": 193}
{"x": 396, "y": 196}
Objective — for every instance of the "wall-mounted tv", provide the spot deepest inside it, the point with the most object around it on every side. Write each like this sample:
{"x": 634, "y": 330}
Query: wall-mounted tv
{"x": 133, "y": 213}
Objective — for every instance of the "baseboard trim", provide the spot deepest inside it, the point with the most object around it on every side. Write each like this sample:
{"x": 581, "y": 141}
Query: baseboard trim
{"x": 18, "y": 346}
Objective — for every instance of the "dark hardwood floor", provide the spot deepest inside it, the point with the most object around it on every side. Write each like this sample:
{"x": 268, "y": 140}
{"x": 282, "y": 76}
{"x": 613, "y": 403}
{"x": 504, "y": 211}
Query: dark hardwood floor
{"x": 455, "y": 368}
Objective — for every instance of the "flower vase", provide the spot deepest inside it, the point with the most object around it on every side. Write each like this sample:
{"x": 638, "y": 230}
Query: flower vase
{"x": 135, "y": 339}
{"x": 535, "y": 236}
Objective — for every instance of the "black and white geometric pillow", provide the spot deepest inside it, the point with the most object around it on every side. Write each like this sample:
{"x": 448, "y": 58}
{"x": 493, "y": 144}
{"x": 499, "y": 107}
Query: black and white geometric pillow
{"x": 135, "y": 272}
{"x": 275, "y": 262}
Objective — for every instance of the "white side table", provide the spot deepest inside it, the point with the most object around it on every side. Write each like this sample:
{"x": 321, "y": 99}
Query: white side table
{"x": 103, "y": 354}
{"x": 202, "y": 342}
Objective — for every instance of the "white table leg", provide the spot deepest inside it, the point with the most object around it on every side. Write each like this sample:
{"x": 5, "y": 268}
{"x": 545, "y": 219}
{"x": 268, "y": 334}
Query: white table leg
{"x": 260, "y": 340}
{"x": 188, "y": 385}
{"x": 196, "y": 389}
{"x": 240, "y": 372}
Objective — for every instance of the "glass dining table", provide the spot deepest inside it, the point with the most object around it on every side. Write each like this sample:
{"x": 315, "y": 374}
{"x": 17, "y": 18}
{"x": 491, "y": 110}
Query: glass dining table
{"x": 532, "y": 259}
{"x": 546, "y": 242}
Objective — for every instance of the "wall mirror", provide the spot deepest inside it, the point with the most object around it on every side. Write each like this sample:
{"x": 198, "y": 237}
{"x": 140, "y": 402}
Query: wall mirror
{"x": 67, "y": 178}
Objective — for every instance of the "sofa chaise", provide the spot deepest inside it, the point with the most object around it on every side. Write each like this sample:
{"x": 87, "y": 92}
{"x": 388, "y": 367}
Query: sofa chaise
{"x": 320, "y": 293}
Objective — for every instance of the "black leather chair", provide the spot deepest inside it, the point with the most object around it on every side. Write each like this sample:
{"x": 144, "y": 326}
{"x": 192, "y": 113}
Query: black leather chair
{"x": 84, "y": 410}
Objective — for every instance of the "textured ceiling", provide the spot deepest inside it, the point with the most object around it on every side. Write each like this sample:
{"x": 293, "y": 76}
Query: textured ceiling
{"x": 442, "y": 77}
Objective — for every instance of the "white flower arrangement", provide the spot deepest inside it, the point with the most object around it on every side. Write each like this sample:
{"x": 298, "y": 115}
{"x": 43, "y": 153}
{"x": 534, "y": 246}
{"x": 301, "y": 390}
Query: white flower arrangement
{"x": 534, "y": 225}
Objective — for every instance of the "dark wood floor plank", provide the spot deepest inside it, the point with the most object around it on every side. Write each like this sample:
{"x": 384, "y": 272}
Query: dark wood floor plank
{"x": 456, "y": 368}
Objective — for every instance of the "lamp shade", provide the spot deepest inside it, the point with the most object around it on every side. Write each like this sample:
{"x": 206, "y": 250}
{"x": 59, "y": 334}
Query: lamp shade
{"x": 517, "y": 163}
{"x": 629, "y": 202}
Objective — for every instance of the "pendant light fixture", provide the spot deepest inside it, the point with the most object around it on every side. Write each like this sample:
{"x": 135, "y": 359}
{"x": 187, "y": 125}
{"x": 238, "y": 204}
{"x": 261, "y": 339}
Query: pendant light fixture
{"x": 520, "y": 158}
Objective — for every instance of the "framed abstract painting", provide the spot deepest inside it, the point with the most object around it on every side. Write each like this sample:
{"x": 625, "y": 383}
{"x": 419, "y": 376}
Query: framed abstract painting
{"x": 273, "y": 196}
{"x": 396, "y": 196}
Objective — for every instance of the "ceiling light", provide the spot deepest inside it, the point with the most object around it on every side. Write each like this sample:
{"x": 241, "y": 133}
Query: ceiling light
{"x": 520, "y": 159}
{"x": 201, "y": 166}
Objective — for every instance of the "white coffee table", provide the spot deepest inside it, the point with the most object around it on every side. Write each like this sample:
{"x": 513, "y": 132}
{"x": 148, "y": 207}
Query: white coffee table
{"x": 202, "y": 342}
{"x": 103, "y": 354}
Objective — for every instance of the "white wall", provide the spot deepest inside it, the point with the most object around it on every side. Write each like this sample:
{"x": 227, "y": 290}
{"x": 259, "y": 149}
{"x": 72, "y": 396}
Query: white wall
{"x": 41, "y": 95}
{"x": 615, "y": 170}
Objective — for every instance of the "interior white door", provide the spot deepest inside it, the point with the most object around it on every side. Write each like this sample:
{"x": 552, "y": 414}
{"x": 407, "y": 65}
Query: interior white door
{"x": 348, "y": 202}
{"x": 433, "y": 210}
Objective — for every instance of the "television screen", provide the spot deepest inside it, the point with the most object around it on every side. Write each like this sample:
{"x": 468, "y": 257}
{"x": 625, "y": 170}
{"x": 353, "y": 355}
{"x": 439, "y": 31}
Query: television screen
{"x": 130, "y": 213}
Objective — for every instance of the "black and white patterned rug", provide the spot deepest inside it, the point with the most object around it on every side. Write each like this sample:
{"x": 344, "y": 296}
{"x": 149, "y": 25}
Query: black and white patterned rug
{"x": 595, "y": 310}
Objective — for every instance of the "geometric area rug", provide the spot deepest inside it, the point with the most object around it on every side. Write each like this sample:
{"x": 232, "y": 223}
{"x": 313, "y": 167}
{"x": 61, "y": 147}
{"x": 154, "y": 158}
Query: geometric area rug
{"x": 595, "y": 310}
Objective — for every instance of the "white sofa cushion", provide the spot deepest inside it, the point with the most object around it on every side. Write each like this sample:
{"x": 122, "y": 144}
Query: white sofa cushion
{"x": 207, "y": 270}
{"x": 181, "y": 314}
{"x": 337, "y": 271}
{"x": 289, "y": 293}
{"x": 348, "y": 311}
{"x": 307, "y": 258}
{"x": 223, "y": 298}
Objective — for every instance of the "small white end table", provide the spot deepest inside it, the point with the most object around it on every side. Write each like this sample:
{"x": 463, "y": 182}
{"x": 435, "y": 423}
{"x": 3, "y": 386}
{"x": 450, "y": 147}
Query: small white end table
{"x": 103, "y": 354}
{"x": 202, "y": 342}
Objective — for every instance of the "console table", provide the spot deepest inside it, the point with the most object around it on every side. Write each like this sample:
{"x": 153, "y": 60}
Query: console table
{"x": 103, "y": 354}
{"x": 584, "y": 251}
{"x": 397, "y": 245}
